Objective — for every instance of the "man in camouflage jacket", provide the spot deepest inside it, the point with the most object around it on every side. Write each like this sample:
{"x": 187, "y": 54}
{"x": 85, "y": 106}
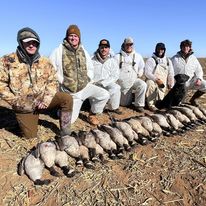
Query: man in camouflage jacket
{"x": 75, "y": 72}
{"x": 28, "y": 83}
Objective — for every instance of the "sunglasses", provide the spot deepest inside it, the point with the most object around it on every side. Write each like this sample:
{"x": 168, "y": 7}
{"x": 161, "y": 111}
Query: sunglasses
{"x": 32, "y": 42}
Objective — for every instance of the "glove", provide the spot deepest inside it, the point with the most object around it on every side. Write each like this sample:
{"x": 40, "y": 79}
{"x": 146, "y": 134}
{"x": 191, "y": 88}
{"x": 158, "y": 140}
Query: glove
{"x": 160, "y": 83}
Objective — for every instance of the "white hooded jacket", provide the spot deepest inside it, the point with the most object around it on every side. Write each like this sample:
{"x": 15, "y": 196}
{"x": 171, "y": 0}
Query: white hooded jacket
{"x": 105, "y": 73}
{"x": 190, "y": 66}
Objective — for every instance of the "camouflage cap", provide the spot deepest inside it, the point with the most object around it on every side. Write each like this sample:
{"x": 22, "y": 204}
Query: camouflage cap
{"x": 27, "y": 36}
{"x": 128, "y": 40}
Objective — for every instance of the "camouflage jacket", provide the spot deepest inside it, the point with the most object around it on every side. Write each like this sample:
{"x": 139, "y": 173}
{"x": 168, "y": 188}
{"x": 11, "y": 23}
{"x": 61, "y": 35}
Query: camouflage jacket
{"x": 22, "y": 85}
{"x": 74, "y": 68}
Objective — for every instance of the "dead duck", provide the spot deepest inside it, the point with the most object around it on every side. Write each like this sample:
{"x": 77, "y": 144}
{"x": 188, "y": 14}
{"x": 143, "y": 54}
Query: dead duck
{"x": 105, "y": 141}
{"x": 33, "y": 167}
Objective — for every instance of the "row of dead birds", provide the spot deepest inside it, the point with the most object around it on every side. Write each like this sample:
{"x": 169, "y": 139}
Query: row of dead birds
{"x": 113, "y": 140}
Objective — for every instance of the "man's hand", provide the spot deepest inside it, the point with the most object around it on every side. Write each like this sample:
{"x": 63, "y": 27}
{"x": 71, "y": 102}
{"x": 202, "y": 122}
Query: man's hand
{"x": 198, "y": 82}
{"x": 40, "y": 105}
{"x": 160, "y": 83}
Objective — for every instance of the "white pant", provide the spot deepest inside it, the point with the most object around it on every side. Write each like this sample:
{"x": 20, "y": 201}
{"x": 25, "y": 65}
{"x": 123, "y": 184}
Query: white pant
{"x": 139, "y": 88}
{"x": 98, "y": 98}
{"x": 154, "y": 93}
{"x": 114, "y": 100}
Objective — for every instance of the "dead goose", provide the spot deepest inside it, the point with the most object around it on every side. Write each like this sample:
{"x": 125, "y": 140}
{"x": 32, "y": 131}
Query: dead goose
{"x": 157, "y": 129}
{"x": 117, "y": 136}
{"x": 33, "y": 167}
{"x": 84, "y": 152}
{"x": 127, "y": 131}
{"x": 95, "y": 150}
{"x": 143, "y": 134}
{"x": 71, "y": 146}
{"x": 51, "y": 156}
{"x": 199, "y": 114}
{"x": 202, "y": 109}
{"x": 189, "y": 113}
{"x": 105, "y": 141}
{"x": 62, "y": 161}
{"x": 163, "y": 123}
{"x": 175, "y": 123}
{"x": 100, "y": 152}
{"x": 47, "y": 152}
{"x": 182, "y": 118}
{"x": 146, "y": 122}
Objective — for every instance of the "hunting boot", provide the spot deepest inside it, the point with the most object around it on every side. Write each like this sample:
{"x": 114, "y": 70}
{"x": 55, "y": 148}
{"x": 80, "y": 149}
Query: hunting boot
{"x": 195, "y": 96}
{"x": 65, "y": 123}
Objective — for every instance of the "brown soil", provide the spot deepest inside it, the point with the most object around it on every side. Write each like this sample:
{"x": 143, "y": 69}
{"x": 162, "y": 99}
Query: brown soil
{"x": 170, "y": 172}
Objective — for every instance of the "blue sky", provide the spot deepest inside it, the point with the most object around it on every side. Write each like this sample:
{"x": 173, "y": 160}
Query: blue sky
{"x": 147, "y": 21}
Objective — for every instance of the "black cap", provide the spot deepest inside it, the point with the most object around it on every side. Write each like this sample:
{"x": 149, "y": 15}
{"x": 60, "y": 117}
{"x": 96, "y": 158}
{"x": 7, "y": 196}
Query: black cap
{"x": 186, "y": 42}
{"x": 104, "y": 42}
{"x": 160, "y": 46}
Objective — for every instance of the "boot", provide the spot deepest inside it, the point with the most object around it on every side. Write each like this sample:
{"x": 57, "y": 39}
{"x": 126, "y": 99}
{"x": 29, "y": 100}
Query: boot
{"x": 92, "y": 119}
{"x": 195, "y": 96}
{"x": 65, "y": 123}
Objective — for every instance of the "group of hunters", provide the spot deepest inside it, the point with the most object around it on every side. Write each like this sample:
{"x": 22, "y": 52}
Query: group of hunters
{"x": 31, "y": 84}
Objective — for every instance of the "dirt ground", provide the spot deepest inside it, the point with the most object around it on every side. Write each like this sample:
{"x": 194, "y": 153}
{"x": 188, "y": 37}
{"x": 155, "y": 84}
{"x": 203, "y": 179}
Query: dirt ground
{"x": 171, "y": 171}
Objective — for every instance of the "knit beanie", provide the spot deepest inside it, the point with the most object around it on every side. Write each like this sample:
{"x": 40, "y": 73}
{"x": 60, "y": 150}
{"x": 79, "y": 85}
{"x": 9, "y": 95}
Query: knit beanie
{"x": 73, "y": 29}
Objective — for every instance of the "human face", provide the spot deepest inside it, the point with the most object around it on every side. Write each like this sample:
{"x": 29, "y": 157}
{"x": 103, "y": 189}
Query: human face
{"x": 186, "y": 49}
{"x": 128, "y": 47}
{"x": 73, "y": 39}
{"x": 161, "y": 52}
{"x": 30, "y": 47}
{"x": 104, "y": 51}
